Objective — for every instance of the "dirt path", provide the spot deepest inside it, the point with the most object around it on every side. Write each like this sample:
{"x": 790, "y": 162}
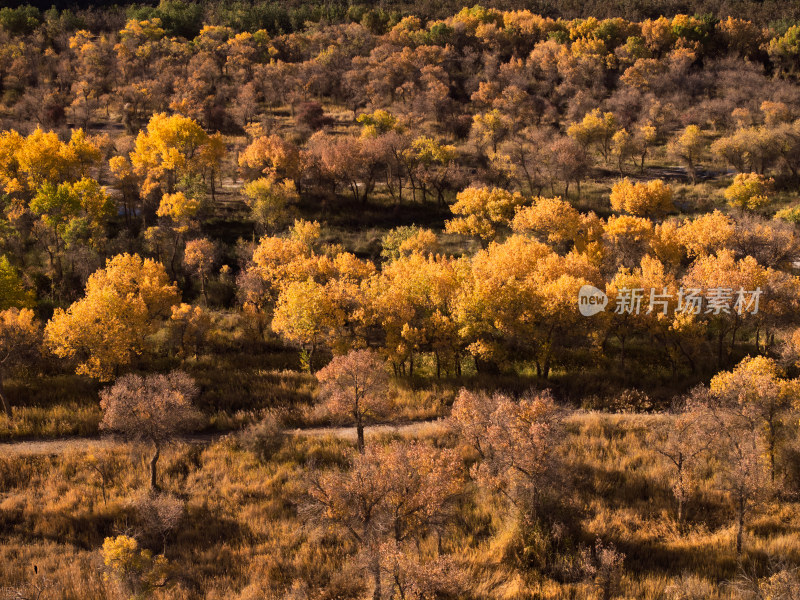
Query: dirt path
{"x": 416, "y": 428}
{"x": 83, "y": 444}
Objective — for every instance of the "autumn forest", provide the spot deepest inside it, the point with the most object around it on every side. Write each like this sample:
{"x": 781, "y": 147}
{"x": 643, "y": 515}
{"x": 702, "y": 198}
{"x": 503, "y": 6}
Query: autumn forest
{"x": 318, "y": 301}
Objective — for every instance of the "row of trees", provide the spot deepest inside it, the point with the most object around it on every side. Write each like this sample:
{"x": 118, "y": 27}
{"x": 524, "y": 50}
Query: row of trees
{"x": 391, "y": 500}
{"x": 732, "y": 435}
{"x": 440, "y": 73}
{"x": 528, "y": 158}
{"x": 60, "y": 222}
{"x": 516, "y": 300}
{"x": 743, "y": 422}
{"x": 513, "y": 302}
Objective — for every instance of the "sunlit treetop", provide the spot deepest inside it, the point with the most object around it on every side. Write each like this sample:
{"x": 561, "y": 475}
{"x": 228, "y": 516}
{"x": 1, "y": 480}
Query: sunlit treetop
{"x": 111, "y": 324}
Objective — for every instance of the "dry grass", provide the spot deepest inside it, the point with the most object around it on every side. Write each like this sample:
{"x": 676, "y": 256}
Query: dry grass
{"x": 241, "y": 536}
{"x": 237, "y": 389}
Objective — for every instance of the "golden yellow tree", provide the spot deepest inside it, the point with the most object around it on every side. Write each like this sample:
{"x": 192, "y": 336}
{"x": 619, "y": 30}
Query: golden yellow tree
{"x": 310, "y": 315}
{"x": 689, "y": 147}
{"x": 106, "y": 329}
{"x": 319, "y": 301}
{"x": 377, "y": 123}
{"x": 405, "y": 240}
{"x": 623, "y": 147}
{"x": 27, "y": 163}
{"x": 172, "y": 147}
{"x": 628, "y": 238}
{"x": 758, "y": 388}
{"x": 136, "y": 571}
{"x": 733, "y": 282}
{"x": 642, "y": 303}
{"x": 278, "y": 261}
{"x": 480, "y": 211}
{"x": 597, "y": 128}
{"x": 270, "y": 201}
{"x": 666, "y": 244}
{"x": 551, "y": 220}
{"x": 642, "y": 199}
{"x": 749, "y": 191}
{"x": 412, "y": 300}
{"x": 519, "y": 303}
{"x": 706, "y": 234}
{"x": 491, "y": 128}
{"x": 180, "y": 213}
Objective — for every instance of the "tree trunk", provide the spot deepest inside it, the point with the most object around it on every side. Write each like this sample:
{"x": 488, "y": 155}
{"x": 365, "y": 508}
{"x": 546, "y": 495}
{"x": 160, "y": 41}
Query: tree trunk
{"x": 311, "y": 358}
{"x": 360, "y": 435}
{"x": 376, "y": 575}
{"x": 680, "y": 495}
{"x": 103, "y": 488}
{"x": 154, "y": 469}
{"x": 203, "y": 290}
{"x": 740, "y": 527}
{"x": 174, "y": 254}
{"x": 4, "y": 400}
{"x": 772, "y": 462}
{"x": 772, "y": 442}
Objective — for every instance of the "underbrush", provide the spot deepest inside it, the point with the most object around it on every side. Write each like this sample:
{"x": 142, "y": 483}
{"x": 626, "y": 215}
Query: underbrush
{"x": 241, "y": 534}
{"x": 69, "y": 419}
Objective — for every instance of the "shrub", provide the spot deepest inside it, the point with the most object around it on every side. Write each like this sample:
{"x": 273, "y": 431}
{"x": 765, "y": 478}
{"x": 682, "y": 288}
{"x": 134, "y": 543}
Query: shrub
{"x": 263, "y": 438}
{"x": 749, "y": 191}
{"x": 642, "y": 199}
{"x": 312, "y": 116}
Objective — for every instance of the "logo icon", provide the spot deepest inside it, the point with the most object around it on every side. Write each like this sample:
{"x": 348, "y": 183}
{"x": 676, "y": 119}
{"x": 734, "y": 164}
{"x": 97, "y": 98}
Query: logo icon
{"x": 591, "y": 300}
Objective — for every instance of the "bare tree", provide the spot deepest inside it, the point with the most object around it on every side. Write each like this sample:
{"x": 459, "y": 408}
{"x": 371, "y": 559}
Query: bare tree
{"x": 104, "y": 463}
{"x": 387, "y": 501}
{"x": 782, "y": 582}
{"x": 151, "y": 409}
{"x": 605, "y": 567}
{"x": 354, "y": 500}
{"x": 682, "y": 439}
{"x": 200, "y": 257}
{"x": 158, "y": 515}
{"x": 356, "y": 386}
{"x": 741, "y": 458}
{"x": 516, "y": 441}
